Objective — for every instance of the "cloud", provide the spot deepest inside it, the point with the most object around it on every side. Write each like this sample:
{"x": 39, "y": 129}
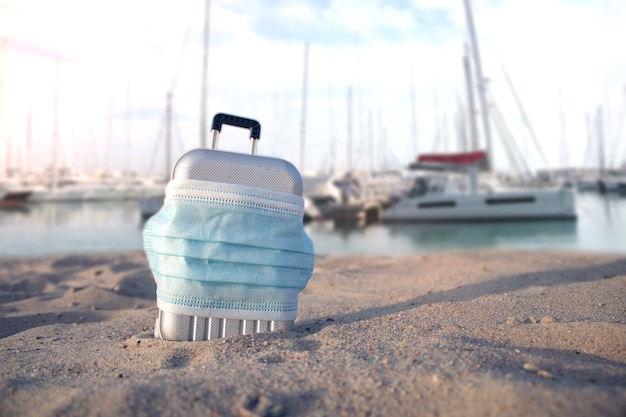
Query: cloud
{"x": 340, "y": 23}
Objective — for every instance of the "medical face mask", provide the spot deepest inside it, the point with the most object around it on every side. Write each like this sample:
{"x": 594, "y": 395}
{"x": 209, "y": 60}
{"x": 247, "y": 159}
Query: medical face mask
{"x": 225, "y": 251}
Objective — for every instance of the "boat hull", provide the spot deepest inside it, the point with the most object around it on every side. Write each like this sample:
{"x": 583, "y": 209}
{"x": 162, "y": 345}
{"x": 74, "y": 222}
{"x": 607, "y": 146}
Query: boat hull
{"x": 12, "y": 199}
{"x": 509, "y": 206}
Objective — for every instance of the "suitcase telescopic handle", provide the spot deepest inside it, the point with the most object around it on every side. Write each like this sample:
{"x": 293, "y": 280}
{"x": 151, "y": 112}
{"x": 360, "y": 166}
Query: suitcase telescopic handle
{"x": 229, "y": 119}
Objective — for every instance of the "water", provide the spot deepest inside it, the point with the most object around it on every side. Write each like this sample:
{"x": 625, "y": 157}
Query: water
{"x": 56, "y": 228}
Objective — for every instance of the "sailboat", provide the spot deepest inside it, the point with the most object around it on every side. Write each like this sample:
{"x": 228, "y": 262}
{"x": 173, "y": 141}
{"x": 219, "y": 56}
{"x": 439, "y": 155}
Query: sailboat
{"x": 474, "y": 203}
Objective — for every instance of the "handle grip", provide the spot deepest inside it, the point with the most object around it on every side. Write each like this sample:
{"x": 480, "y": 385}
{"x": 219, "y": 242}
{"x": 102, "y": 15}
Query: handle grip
{"x": 228, "y": 119}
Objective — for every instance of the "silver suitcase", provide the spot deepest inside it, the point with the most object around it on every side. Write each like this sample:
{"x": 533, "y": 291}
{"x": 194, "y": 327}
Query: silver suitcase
{"x": 235, "y": 168}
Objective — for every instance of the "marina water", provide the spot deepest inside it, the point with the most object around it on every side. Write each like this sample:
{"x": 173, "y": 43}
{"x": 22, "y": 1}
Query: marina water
{"x": 91, "y": 227}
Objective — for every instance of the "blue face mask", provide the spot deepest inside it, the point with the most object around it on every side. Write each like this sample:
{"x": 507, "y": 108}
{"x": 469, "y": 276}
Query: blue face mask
{"x": 229, "y": 251}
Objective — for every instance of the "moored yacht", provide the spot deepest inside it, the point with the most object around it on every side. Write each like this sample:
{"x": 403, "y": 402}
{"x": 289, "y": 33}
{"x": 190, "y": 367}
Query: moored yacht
{"x": 474, "y": 204}
{"x": 13, "y": 198}
{"x": 13, "y": 194}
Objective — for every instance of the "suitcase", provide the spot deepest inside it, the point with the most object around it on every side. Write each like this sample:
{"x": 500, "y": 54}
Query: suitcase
{"x": 235, "y": 168}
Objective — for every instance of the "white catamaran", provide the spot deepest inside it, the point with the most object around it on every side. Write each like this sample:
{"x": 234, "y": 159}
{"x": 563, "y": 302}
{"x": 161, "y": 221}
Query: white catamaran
{"x": 474, "y": 204}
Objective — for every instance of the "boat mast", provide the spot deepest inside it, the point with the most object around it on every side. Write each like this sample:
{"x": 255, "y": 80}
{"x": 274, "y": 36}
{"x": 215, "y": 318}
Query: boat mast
{"x": 29, "y": 139}
{"x": 600, "y": 136}
{"x": 55, "y": 128}
{"x": 128, "y": 135}
{"x": 371, "y": 141}
{"x": 463, "y": 143}
{"x": 381, "y": 142}
{"x": 305, "y": 80}
{"x": 437, "y": 117}
{"x": 469, "y": 84}
{"x": 564, "y": 151}
{"x": 349, "y": 152}
{"x": 168, "y": 136}
{"x": 107, "y": 152}
{"x": 482, "y": 83}
{"x": 205, "y": 76}
{"x": 413, "y": 115}
{"x": 3, "y": 60}
{"x": 618, "y": 132}
{"x": 333, "y": 136}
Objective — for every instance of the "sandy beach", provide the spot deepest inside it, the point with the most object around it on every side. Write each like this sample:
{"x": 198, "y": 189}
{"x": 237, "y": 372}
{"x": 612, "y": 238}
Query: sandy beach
{"x": 471, "y": 333}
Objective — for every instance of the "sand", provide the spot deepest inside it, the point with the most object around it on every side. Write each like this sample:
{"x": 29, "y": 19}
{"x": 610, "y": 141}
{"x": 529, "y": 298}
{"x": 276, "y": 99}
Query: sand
{"x": 472, "y": 333}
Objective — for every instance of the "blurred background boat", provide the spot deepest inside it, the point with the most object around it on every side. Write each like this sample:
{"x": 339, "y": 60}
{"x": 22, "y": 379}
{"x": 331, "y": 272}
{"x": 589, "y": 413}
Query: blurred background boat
{"x": 472, "y": 204}
{"x": 13, "y": 199}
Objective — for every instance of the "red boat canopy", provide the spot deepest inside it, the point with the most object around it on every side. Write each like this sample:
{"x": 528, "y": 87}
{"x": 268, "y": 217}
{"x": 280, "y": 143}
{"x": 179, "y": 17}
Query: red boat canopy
{"x": 464, "y": 158}
{"x": 451, "y": 161}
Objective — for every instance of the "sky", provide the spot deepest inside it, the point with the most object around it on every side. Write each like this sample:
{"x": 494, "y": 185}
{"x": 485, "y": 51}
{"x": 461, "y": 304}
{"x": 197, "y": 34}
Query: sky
{"x": 385, "y": 80}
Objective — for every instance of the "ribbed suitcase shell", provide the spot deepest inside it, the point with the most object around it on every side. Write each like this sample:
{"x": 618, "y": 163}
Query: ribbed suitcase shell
{"x": 237, "y": 168}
